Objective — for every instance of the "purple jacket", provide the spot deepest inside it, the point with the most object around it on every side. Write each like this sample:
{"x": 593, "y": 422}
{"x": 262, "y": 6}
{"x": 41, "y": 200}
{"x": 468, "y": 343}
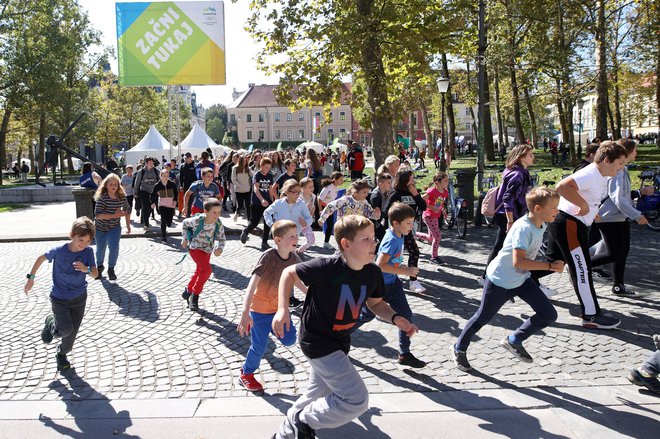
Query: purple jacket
{"x": 516, "y": 183}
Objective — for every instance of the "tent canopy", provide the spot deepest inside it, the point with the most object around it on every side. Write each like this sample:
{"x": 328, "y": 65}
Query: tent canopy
{"x": 317, "y": 147}
{"x": 152, "y": 144}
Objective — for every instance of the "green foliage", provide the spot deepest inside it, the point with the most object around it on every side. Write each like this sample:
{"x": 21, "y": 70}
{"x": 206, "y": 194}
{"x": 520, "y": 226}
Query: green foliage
{"x": 215, "y": 129}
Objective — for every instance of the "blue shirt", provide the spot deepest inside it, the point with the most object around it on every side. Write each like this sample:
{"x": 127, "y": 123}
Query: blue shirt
{"x": 524, "y": 235}
{"x": 202, "y": 193}
{"x": 392, "y": 245}
{"x": 67, "y": 282}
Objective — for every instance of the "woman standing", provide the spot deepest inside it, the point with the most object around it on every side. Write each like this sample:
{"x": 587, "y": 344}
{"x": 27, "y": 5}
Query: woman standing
{"x": 241, "y": 178}
{"x": 111, "y": 206}
{"x": 165, "y": 195}
{"x": 510, "y": 199}
{"x": 314, "y": 169}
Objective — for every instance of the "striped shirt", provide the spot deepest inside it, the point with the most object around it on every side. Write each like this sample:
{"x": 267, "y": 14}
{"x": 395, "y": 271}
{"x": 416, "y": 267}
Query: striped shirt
{"x": 104, "y": 205}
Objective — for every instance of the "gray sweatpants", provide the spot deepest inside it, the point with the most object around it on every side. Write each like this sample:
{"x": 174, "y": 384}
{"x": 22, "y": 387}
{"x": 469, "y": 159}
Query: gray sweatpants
{"x": 68, "y": 317}
{"x": 335, "y": 395}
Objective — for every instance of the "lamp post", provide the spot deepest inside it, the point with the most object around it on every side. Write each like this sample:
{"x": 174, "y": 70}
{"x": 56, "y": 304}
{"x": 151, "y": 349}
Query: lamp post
{"x": 443, "y": 86}
{"x": 580, "y": 104}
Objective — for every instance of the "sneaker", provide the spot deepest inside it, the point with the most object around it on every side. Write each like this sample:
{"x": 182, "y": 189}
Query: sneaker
{"x": 600, "y": 321}
{"x": 622, "y": 291}
{"x": 62, "y": 362}
{"x": 265, "y": 246}
{"x": 460, "y": 359}
{"x": 249, "y": 382}
{"x": 480, "y": 281}
{"x": 408, "y": 359}
{"x": 46, "y": 335}
{"x": 111, "y": 274}
{"x": 300, "y": 429}
{"x": 100, "y": 269}
{"x": 328, "y": 246}
{"x": 516, "y": 349}
{"x": 599, "y": 272}
{"x": 549, "y": 292}
{"x": 651, "y": 383}
{"x": 185, "y": 294}
{"x": 145, "y": 228}
{"x": 656, "y": 340}
{"x": 244, "y": 237}
{"x": 295, "y": 303}
{"x": 416, "y": 286}
{"x": 235, "y": 217}
{"x": 193, "y": 302}
{"x": 437, "y": 260}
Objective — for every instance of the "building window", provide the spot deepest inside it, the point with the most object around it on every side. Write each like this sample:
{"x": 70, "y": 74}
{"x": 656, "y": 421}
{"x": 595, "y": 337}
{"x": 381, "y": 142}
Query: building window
{"x": 278, "y": 134}
{"x": 342, "y": 133}
{"x": 467, "y": 111}
{"x": 248, "y": 118}
{"x": 289, "y": 117}
{"x": 289, "y": 133}
{"x": 249, "y": 135}
{"x": 261, "y": 135}
{"x": 232, "y": 118}
{"x": 468, "y": 126}
{"x": 301, "y": 116}
{"x": 413, "y": 121}
{"x": 331, "y": 134}
{"x": 261, "y": 117}
{"x": 342, "y": 115}
{"x": 277, "y": 117}
{"x": 301, "y": 134}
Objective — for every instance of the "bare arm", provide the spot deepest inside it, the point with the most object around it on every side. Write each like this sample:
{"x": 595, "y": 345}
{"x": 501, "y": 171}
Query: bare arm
{"x": 521, "y": 262}
{"x": 382, "y": 262}
{"x": 383, "y": 310}
{"x": 245, "y": 324}
{"x": 282, "y": 318}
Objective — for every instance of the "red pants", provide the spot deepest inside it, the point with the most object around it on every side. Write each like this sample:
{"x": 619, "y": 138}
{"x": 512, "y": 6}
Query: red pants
{"x": 195, "y": 210}
{"x": 180, "y": 201}
{"x": 202, "y": 273}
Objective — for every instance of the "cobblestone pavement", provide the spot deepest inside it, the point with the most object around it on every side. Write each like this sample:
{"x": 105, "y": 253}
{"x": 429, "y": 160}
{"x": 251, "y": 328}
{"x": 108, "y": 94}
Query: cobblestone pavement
{"x": 139, "y": 341}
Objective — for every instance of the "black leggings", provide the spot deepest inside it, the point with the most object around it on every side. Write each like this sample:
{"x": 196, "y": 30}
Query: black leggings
{"x": 256, "y": 215}
{"x": 329, "y": 227}
{"x": 568, "y": 241}
{"x": 501, "y": 222}
{"x": 145, "y": 202}
{"x": 613, "y": 248}
{"x": 166, "y": 216}
{"x": 411, "y": 247}
{"x": 244, "y": 199}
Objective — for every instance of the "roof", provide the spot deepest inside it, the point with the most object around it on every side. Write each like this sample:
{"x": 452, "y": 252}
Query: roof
{"x": 259, "y": 96}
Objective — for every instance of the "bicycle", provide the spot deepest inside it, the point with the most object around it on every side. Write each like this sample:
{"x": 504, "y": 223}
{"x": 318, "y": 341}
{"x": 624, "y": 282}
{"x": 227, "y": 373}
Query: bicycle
{"x": 649, "y": 205}
{"x": 456, "y": 212}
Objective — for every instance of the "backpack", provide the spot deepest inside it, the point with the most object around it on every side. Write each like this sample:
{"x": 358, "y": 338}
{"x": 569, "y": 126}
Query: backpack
{"x": 191, "y": 234}
{"x": 488, "y": 207}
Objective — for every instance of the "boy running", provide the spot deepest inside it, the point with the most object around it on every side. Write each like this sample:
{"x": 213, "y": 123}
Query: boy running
{"x": 72, "y": 262}
{"x": 338, "y": 287}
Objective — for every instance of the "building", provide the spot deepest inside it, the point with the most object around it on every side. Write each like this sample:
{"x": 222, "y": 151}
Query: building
{"x": 259, "y": 119}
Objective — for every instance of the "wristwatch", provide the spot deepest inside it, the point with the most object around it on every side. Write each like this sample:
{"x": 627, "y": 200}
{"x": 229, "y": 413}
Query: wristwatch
{"x": 30, "y": 276}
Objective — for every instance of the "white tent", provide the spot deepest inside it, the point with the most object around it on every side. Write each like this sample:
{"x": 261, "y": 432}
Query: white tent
{"x": 311, "y": 145}
{"x": 197, "y": 141}
{"x": 152, "y": 144}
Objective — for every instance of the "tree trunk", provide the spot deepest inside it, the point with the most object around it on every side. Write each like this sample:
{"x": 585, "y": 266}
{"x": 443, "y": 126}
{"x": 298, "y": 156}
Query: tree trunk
{"x": 617, "y": 96}
{"x": 610, "y": 117}
{"x": 371, "y": 62}
{"x": 427, "y": 129}
{"x": 411, "y": 130}
{"x": 530, "y": 113}
{"x": 489, "y": 148}
{"x": 41, "y": 156}
{"x": 498, "y": 110}
{"x": 520, "y": 133}
{"x": 601, "y": 69}
{"x": 449, "y": 108}
{"x": 4, "y": 126}
{"x": 469, "y": 84}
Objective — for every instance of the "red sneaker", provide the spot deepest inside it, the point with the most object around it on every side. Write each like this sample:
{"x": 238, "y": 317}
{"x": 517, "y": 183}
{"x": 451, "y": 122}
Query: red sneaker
{"x": 250, "y": 383}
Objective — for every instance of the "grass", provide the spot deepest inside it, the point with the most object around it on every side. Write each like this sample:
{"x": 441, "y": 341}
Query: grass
{"x": 8, "y": 207}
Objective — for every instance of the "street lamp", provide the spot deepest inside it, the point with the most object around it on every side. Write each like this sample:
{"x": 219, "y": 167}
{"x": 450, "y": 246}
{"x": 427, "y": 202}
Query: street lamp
{"x": 580, "y": 105}
{"x": 443, "y": 86}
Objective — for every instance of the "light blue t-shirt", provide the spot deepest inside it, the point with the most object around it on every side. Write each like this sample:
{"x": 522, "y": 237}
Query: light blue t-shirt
{"x": 524, "y": 235}
{"x": 68, "y": 283}
{"x": 393, "y": 246}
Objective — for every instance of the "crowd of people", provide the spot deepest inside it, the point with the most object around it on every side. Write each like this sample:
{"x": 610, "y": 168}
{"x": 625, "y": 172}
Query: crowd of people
{"x": 540, "y": 231}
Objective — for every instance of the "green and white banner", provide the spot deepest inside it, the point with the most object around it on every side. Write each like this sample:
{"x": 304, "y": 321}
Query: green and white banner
{"x": 166, "y": 43}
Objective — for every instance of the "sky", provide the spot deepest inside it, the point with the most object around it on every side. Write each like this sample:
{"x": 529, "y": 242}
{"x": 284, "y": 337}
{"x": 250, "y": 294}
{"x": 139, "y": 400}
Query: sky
{"x": 240, "y": 50}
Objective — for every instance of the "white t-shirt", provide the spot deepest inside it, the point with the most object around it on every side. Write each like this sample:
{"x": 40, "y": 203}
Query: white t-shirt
{"x": 592, "y": 186}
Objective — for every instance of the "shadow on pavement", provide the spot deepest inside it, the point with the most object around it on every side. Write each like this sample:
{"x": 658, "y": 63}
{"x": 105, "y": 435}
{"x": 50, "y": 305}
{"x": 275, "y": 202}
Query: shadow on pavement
{"x": 86, "y": 414}
{"x": 132, "y": 304}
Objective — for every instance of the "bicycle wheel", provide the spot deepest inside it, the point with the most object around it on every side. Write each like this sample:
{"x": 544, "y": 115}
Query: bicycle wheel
{"x": 461, "y": 225}
{"x": 448, "y": 219}
{"x": 653, "y": 220}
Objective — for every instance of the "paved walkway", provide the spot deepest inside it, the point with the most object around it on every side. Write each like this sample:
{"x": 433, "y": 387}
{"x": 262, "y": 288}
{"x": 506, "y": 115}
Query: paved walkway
{"x": 147, "y": 367}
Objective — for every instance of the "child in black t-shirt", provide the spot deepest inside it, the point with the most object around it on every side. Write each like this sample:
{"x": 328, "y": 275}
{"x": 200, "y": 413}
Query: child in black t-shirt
{"x": 337, "y": 289}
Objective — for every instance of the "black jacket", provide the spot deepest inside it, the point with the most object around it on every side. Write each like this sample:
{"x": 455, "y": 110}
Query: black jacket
{"x": 187, "y": 175}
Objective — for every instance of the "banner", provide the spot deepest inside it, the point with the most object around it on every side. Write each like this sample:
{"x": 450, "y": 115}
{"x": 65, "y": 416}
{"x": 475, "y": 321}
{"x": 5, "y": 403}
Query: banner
{"x": 167, "y": 43}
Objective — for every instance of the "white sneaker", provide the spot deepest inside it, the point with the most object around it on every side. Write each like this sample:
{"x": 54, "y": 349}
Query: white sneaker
{"x": 480, "y": 281}
{"x": 416, "y": 286}
{"x": 549, "y": 292}
{"x": 236, "y": 217}
{"x": 328, "y": 246}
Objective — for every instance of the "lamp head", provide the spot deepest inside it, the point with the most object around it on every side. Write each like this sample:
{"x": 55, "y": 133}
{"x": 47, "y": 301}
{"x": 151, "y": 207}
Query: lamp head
{"x": 443, "y": 84}
{"x": 580, "y": 104}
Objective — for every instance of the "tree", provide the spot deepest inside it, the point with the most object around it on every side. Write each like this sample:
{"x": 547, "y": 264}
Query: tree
{"x": 215, "y": 129}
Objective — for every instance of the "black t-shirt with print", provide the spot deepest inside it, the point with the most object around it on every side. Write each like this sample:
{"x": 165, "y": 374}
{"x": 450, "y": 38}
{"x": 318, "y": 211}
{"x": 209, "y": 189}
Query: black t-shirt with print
{"x": 333, "y": 302}
{"x": 265, "y": 182}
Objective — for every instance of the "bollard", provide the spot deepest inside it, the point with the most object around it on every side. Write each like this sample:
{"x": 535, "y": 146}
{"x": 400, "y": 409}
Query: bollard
{"x": 84, "y": 202}
{"x": 465, "y": 183}
{"x": 478, "y": 216}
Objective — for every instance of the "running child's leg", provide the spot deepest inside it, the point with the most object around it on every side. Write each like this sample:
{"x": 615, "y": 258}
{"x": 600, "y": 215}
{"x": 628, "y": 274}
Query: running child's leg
{"x": 68, "y": 315}
{"x": 545, "y": 315}
{"x": 259, "y": 336}
{"x": 411, "y": 247}
{"x": 202, "y": 273}
{"x": 308, "y": 233}
{"x": 434, "y": 229}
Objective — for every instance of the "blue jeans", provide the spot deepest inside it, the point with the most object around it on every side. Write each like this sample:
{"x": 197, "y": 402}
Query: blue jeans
{"x": 109, "y": 239}
{"x": 492, "y": 300}
{"x": 396, "y": 297}
{"x": 259, "y": 332}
